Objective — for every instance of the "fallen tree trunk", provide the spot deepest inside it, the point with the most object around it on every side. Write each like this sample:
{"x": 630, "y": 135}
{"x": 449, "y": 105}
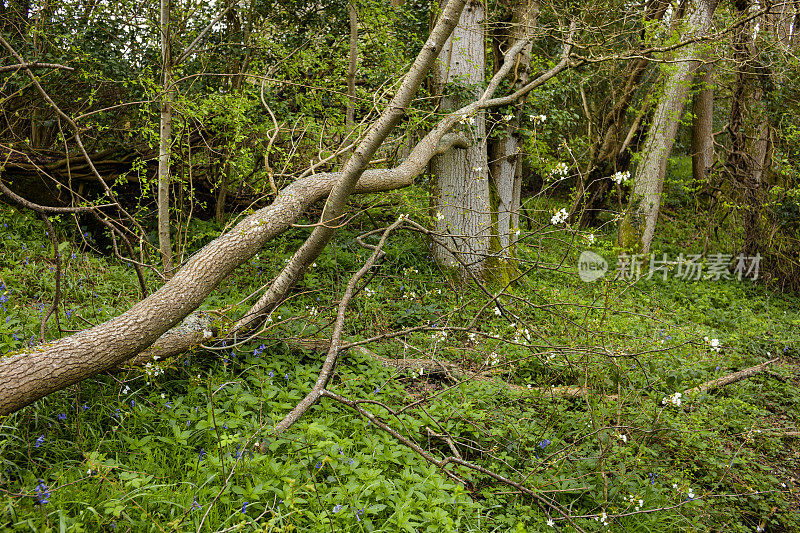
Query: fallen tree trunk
{"x": 32, "y": 373}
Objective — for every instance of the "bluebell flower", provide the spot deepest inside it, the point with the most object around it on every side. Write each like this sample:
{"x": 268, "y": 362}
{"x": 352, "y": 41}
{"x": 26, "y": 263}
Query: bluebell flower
{"x": 358, "y": 513}
{"x": 286, "y": 377}
{"x": 337, "y": 508}
{"x": 319, "y": 464}
{"x": 62, "y": 416}
{"x": 42, "y": 493}
{"x": 225, "y": 426}
{"x": 85, "y": 407}
{"x": 350, "y": 462}
{"x": 202, "y": 453}
{"x": 196, "y": 504}
{"x": 133, "y": 403}
{"x": 39, "y": 441}
{"x": 271, "y": 374}
{"x": 244, "y": 507}
{"x": 544, "y": 444}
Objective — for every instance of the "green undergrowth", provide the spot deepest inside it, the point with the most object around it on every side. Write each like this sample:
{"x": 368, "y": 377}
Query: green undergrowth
{"x": 188, "y": 444}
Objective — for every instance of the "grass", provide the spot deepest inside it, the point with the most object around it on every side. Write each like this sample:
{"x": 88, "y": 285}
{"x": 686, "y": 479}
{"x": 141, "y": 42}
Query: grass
{"x": 188, "y": 444}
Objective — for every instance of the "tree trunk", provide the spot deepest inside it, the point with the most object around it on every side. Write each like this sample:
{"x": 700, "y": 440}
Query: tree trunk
{"x": 352, "y": 64}
{"x": 609, "y": 150}
{"x": 703, "y": 126}
{"x": 639, "y": 224}
{"x": 30, "y": 374}
{"x": 165, "y": 141}
{"x": 461, "y": 195}
{"x": 749, "y": 131}
{"x": 505, "y": 149}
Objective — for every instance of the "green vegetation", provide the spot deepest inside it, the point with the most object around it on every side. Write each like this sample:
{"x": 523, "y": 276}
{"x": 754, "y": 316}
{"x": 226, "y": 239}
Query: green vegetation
{"x": 188, "y": 444}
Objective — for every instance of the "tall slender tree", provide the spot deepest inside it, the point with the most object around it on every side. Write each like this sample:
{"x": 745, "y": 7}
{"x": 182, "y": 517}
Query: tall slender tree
{"x": 638, "y": 226}
{"x": 461, "y": 200}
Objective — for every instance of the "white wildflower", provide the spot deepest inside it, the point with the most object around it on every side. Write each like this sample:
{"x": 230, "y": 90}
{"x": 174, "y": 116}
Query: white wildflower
{"x": 551, "y": 522}
{"x": 560, "y": 171}
{"x": 560, "y": 217}
{"x": 675, "y": 399}
{"x": 589, "y": 238}
{"x": 508, "y": 118}
{"x": 621, "y": 177}
{"x": 497, "y": 311}
{"x": 439, "y": 215}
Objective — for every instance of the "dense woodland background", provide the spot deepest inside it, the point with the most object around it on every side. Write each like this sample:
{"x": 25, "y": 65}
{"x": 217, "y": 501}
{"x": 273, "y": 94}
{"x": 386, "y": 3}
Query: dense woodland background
{"x": 314, "y": 266}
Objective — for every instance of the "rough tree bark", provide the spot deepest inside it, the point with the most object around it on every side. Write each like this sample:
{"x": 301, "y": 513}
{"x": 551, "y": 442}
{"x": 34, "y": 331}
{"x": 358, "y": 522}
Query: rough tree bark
{"x": 505, "y": 150}
{"x": 703, "y": 126}
{"x": 352, "y": 64}
{"x": 461, "y": 201}
{"x": 639, "y": 224}
{"x": 748, "y": 129}
{"x": 30, "y": 374}
{"x": 165, "y": 141}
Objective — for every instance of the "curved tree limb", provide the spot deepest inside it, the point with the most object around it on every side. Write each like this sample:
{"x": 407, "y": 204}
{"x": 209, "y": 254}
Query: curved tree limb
{"x": 30, "y": 374}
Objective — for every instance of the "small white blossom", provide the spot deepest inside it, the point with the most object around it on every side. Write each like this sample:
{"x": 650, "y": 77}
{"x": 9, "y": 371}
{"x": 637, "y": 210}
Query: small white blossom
{"x": 560, "y": 217}
{"x": 675, "y": 399}
{"x": 493, "y": 359}
{"x": 622, "y": 437}
{"x": 551, "y": 522}
{"x": 439, "y": 215}
{"x": 497, "y": 311}
{"x": 621, "y": 177}
{"x": 560, "y": 171}
{"x": 589, "y": 238}
{"x": 508, "y": 118}
{"x": 439, "y": 336}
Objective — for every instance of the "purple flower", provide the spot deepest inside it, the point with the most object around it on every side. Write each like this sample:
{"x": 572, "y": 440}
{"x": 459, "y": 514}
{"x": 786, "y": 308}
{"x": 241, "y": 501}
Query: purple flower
{"x": 196, "y": 504}
{"x": 62, "y": 416}
{"x": 202, "y": 453}
{"x": 244, "y": 507}
{"x": 42, "y": 493}
{"x": 359, "y": 512}
{"x": 39, "y": 441}
{"x": 337, "y": 508}
{"x": 544, "y": 444}
{"x": 85, "y": 407}
{"x": 319, "y": 464}
{"x": 271, "y": 374}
